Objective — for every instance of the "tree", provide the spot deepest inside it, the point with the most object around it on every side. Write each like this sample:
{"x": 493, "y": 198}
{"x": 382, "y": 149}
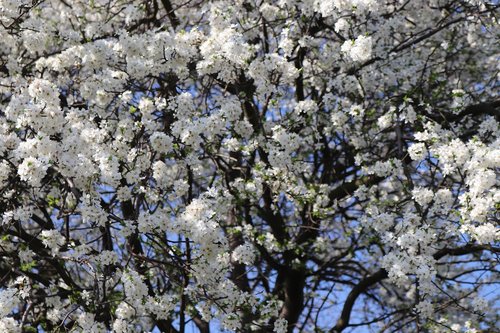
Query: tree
{"x": 249, "y": 166}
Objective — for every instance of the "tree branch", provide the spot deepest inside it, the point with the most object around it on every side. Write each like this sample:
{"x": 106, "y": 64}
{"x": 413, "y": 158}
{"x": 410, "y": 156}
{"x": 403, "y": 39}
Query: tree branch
{"x": 171, "y": 13}
{"x": 382, "y": 274}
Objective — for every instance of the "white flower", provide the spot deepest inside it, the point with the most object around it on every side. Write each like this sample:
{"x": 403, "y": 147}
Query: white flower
{"x": 88, "y": 324}
{"x": 53, "y": 240}
{"x": 484, "y": 234}
{"x": 341, "y": 25}
{"x": 244, "y": 254}
{"x": 108, "y": 257}
{"x": 306, "y": 107}
{"x": 223, "y": 52}
{"x": 161, "y": 142}
{"x": 4, "y": 172}
{"x": 231, "y": 322}
{"x": 26, "y": 256}
{"x": 359, "y": 49}
{"x": 124, "y": 311}
{"x": 160, "y": 306}
{"x": 135, "y": 289}
{"x": 417, "y": 151}
{"x": 269, "y": 12}
{"x": 181, "y": 187}
{"x": 32, "y": 170}
{"x": 280, "y": 325}
{"x": 121, "y": 326}
{"x": 9, "y": 299}
{"x": 9, "y": 325}
{"x": 425, "y": 309}
{"x": 384, "y": 121}
{"x": 422, "y": 196}
{"x": 43, "y": 90}
{"x": 161, "y": 174}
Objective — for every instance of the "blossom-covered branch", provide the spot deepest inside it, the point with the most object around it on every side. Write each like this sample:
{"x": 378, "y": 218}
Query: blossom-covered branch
{"x": 249, "y": 166}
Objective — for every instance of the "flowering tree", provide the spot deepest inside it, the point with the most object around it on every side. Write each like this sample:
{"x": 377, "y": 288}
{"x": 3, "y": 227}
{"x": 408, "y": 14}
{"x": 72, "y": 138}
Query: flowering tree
{"x": 249, "y": 166}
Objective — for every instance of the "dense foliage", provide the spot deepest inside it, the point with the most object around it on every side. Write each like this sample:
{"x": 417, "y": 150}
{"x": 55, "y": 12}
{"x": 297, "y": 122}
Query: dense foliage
{"x": 249, "y": 166}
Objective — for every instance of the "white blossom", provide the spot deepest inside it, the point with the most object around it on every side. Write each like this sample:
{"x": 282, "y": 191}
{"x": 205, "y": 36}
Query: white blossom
{"x": 248, "y": 163}
{"x": 359, "y": 49}
{"x": 244, "y": 254}
{"x": 33, "y": 170}
{"x": 280, "y": 325}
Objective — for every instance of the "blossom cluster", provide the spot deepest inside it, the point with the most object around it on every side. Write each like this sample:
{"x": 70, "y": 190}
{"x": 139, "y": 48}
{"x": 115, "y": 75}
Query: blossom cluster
{"x": 243, "y": 165}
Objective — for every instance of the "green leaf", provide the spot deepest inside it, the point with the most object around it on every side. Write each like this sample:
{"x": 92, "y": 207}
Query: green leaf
{"x": 26, "y": 267}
